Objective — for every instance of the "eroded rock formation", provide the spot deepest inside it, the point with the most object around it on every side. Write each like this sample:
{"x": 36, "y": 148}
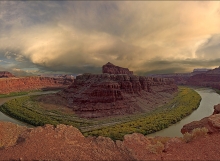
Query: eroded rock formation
{"x": 98, "y": 95}
{"x": 112, "y": 69}
{"x": 8, "y": 85}
{"x": 5, "y": 74}
{"x": 210, "y": 78}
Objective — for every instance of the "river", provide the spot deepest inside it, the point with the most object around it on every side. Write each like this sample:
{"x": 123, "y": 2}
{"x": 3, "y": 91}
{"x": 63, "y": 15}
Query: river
{"x": 206, "y": 108}
{"x": 6, "y": 118}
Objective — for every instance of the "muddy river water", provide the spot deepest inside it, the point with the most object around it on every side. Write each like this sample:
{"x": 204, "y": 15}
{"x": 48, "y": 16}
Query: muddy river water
{"x": 206, "y": 108}
{"x": 209, "y": 99}
{"x": 6, "y": 118}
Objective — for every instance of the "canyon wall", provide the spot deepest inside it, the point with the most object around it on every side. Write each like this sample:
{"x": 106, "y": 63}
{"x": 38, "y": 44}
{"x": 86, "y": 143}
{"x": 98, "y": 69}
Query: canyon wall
{"x": 98, "y": 95}
{"x": 207, "y": 79}
{"x": 8, "y": 85}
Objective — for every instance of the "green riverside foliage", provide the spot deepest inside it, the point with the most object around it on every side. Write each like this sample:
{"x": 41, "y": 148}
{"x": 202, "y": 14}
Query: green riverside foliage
{"x": 13, "y": 94}
{"x": 27, "y": 110}
{"x": 181, "y": 106}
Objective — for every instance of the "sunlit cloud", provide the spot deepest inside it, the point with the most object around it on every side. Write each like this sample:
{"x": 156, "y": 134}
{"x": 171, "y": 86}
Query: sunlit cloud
{"x": 81, "y": 36}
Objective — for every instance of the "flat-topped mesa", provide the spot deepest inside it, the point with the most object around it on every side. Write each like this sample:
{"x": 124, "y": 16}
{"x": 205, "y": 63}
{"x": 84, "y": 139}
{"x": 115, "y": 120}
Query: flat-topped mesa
{"x": 6, "y": 74}
{"x": 112, "y": 69}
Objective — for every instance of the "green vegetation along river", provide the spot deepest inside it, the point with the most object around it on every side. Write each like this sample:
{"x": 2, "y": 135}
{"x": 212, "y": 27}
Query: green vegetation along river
{"x": 4, "y": 99}
{"x": 206, "y": 108}
{"x": 187, "y": 100}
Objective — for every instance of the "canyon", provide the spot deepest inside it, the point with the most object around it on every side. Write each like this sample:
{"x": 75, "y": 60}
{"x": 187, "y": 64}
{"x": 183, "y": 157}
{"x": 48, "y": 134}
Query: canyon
{"x": 65, "y": 142}
{"x": 211, "y": 123}
{"x": 210, "y": 78}
{"x": 199, "y": 77}
{"x": 110, "y": 93}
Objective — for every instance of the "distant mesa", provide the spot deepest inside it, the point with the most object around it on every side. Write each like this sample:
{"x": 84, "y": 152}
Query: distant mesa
{"x": 6, "y": 74}
{"x": 116, "y": 92}
{"x": 210, "y": 78}
{"x": 112, "y": 69}
{"x": 9, "y": 83}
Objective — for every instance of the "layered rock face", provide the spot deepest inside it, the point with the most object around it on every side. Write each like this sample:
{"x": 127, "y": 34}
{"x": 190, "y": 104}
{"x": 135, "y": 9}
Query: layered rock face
{"x": 179, "y": 78}
{"x": 98, "y": 95}
{"x": 8, "y": 85}
{"x": 112, "y": 69}
{"x": 209, "y": 79}
{"x": 5, "y": 74}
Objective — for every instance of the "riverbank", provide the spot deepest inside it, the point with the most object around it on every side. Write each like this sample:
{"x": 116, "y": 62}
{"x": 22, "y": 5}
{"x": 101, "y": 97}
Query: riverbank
{"x": 28, "y": 110}
{"x": 209, "y": 99}
{"x": 181, "y": 106}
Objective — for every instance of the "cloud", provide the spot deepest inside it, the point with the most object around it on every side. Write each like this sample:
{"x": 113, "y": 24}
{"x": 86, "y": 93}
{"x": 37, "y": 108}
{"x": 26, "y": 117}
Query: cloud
{"x": 81, "y": 36}
{"x": 210, "y": 48}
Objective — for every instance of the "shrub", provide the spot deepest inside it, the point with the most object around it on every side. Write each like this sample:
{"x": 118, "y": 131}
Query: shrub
{"x": 187, "y": 137}
{"x": 199, "y": 132}
{"x": 156, "y": 148}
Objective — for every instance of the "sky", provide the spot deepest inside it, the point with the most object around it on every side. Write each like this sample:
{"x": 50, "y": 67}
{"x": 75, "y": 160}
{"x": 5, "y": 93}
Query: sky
{"x": 74, "y": 37}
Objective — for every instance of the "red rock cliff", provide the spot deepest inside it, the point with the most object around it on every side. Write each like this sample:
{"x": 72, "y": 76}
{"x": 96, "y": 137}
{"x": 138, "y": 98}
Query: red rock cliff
{"x": 97, "y": 95}
{"x": 208, "y": 79}
{"x": 112, "y": 69}
{"x": 8, "y": 85}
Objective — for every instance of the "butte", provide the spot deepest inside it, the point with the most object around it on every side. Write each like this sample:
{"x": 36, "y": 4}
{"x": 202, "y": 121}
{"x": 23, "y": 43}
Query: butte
{"x": 117, "y": 91}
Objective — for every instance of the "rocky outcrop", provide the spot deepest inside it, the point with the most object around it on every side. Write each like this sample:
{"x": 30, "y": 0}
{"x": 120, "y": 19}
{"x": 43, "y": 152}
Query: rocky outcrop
{"x": 212, "y": 123}
{"x": 216, "y": 109}
{"x": 9, "y": 85}
{"x": 112, "y": 69}
{"x": 98, "y": 95}
{"x": 5, "y": 74}
{"x": 67, "y": 143}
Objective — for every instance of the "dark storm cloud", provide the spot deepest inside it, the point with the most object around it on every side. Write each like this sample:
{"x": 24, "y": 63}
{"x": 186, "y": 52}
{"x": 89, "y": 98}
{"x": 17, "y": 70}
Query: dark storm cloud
{"x": 81, "y": 36}
{"x": 210, "y": 48}
{"x": 176, "y": 66}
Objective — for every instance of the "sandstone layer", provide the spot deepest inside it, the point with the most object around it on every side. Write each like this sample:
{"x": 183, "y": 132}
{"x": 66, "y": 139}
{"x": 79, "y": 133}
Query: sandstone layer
{"x": 112, "y": 69}
{"x": 179, "y": 78}
{"x": 5, "y": 74}
{"x": 8, "y": 85}
{"x": 208, "y": 79}
{"x": 67, "y": 143}
{"x": 98, "y": 95}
